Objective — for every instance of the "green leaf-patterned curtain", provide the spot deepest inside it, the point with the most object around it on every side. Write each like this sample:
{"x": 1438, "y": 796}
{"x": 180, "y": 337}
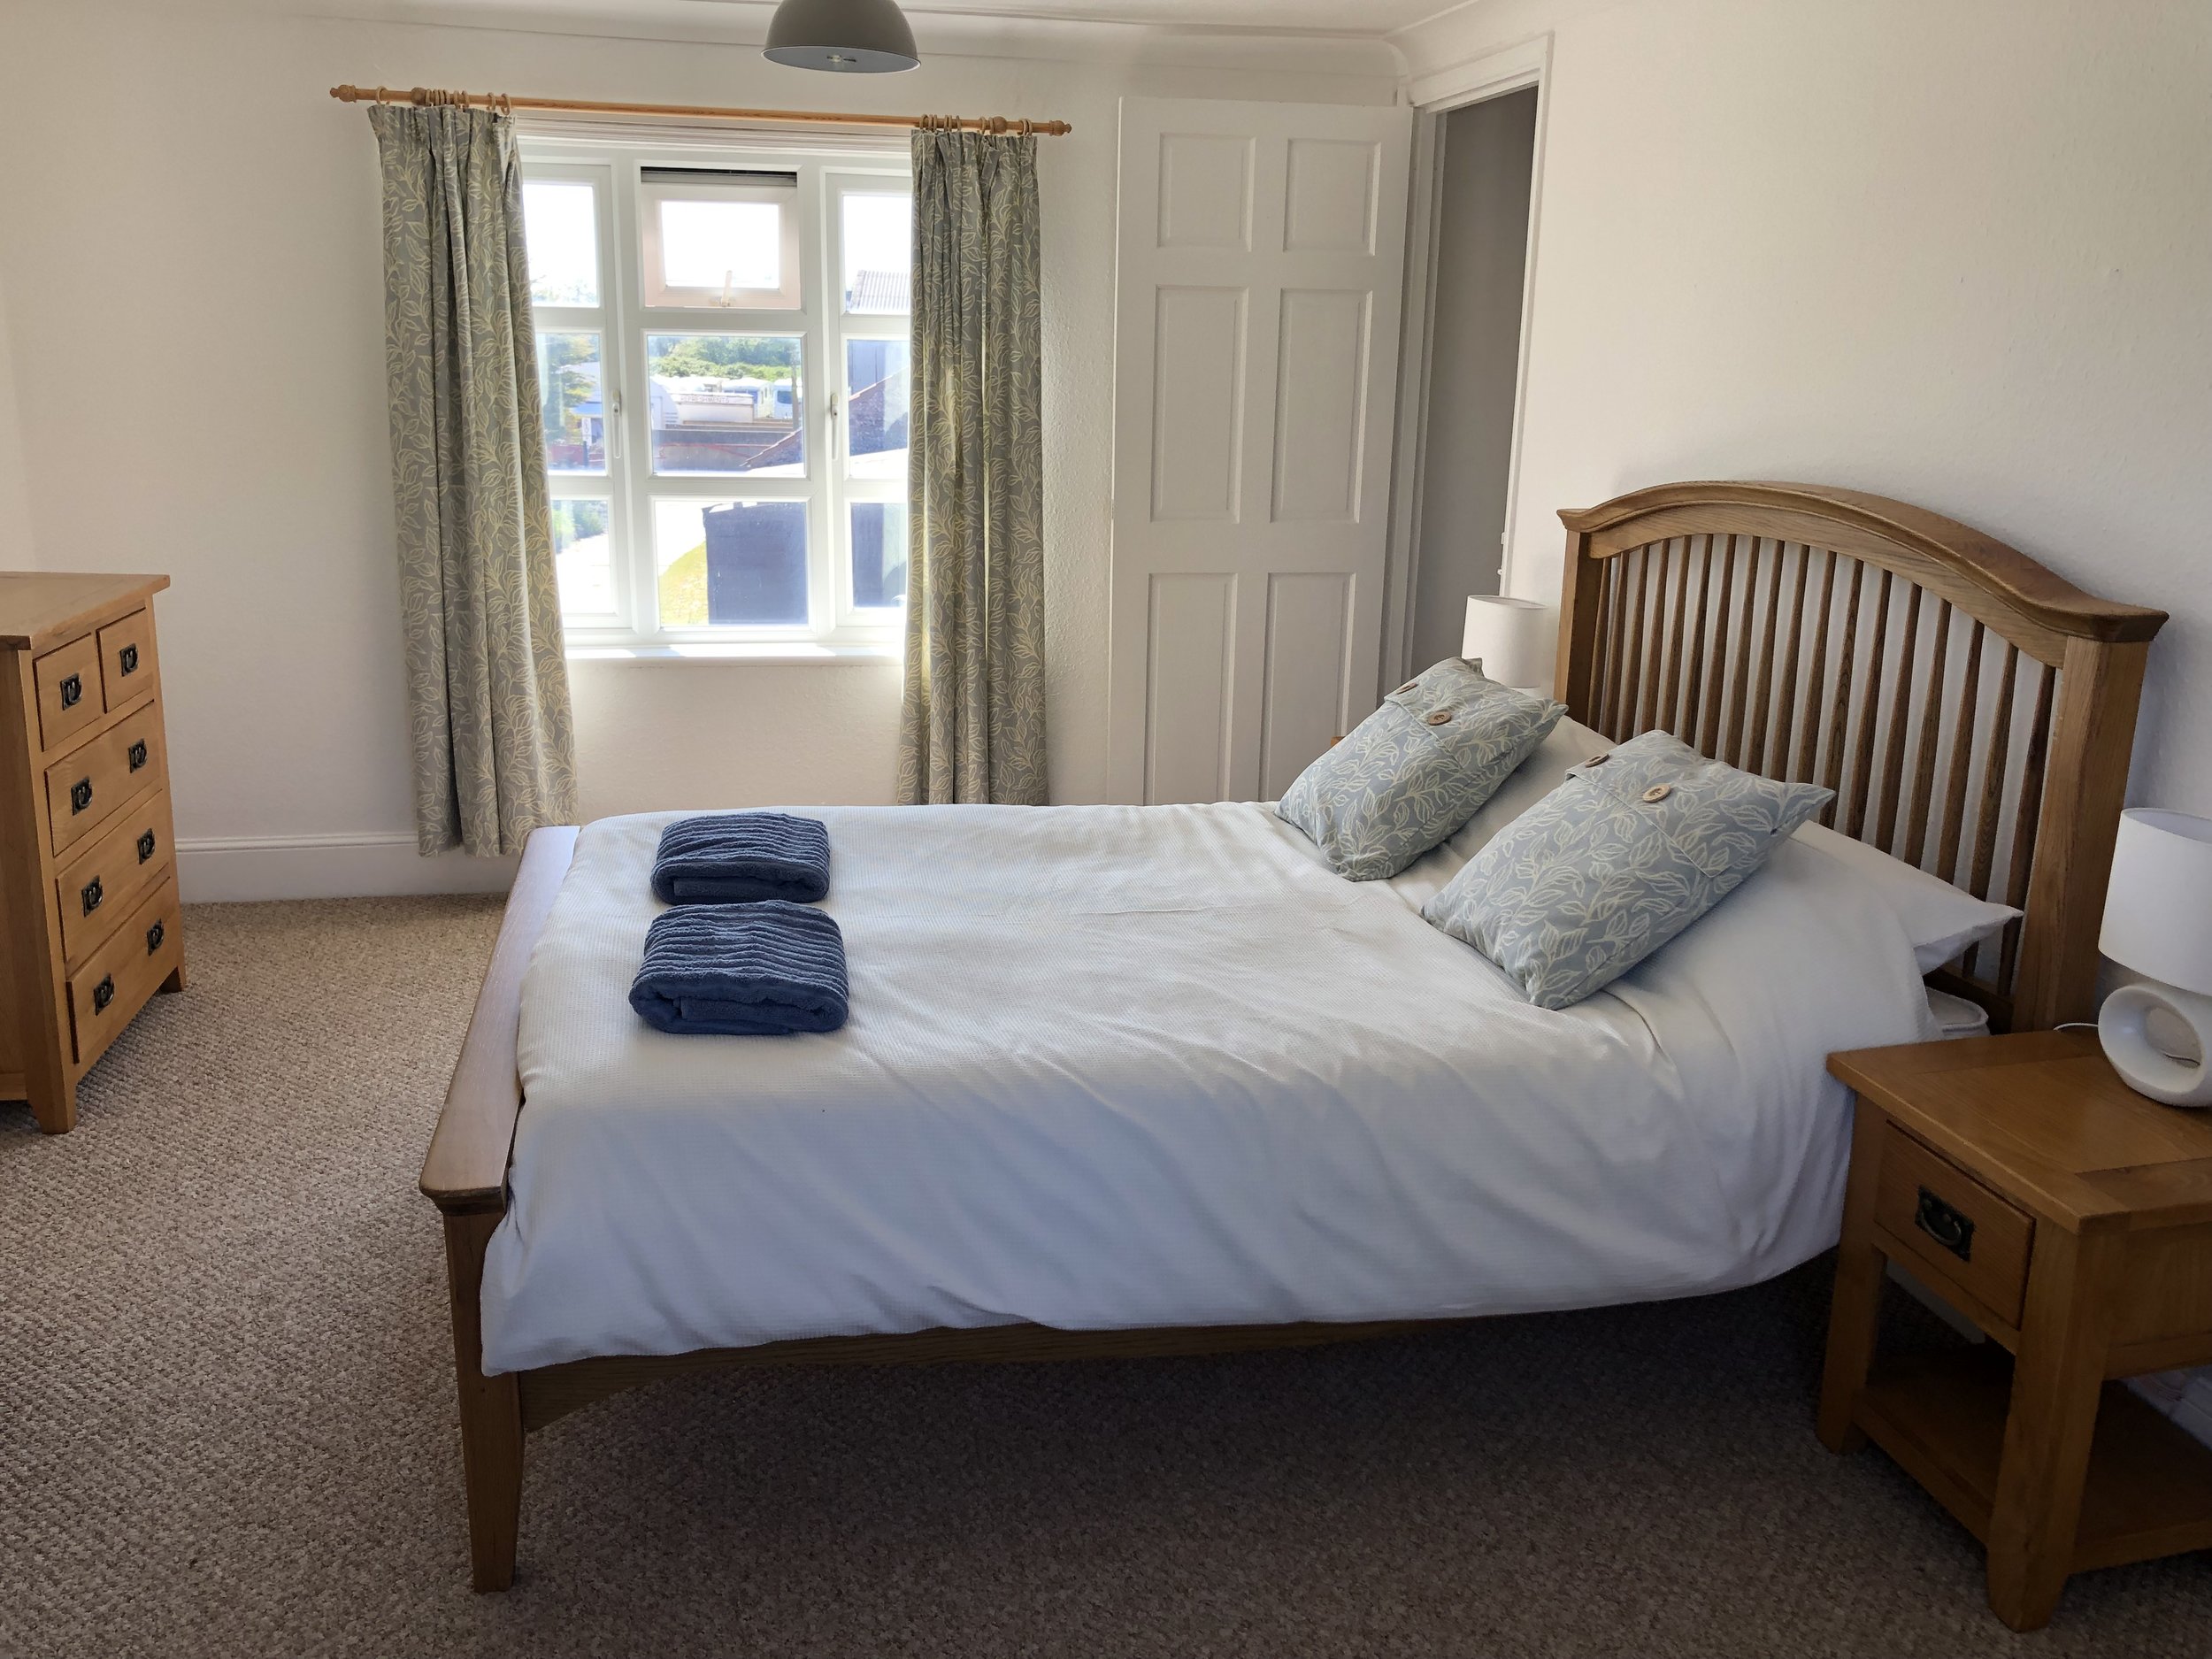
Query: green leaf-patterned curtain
{"x": 972, "y": 726}
{"x": 487, "y": 685}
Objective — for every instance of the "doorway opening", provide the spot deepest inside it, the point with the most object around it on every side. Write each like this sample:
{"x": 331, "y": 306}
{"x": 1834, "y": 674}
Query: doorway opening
{"x": 1482, "y": 176}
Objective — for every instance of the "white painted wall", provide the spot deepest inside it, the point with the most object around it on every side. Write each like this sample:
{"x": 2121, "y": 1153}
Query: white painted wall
{"x": 15, "y": 551}
{"x": 1960, "y": 254}
{"x": 185, "y": 204}
{"x": 1474, "y": 360}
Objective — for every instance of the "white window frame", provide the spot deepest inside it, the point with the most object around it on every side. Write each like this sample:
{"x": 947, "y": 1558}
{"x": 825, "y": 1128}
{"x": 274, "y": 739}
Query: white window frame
{"x": 834, "y": 626}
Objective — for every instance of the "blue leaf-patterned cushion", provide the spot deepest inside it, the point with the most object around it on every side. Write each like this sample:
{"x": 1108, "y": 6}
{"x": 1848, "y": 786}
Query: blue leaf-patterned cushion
{"x": 1636, "y": 845}
{"x": 1416, "y": 769}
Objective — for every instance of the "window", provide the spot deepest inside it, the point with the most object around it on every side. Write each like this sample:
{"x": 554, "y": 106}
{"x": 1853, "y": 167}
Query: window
{"x": 722, "y": 368}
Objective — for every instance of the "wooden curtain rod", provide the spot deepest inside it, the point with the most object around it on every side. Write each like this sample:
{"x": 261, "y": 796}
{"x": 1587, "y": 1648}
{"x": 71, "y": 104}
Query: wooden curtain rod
{"x": 426, "y": 96}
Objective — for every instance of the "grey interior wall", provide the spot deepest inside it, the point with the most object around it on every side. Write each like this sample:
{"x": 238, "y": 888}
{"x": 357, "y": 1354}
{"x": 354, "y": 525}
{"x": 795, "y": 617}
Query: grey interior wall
{"x": 1482, "y": 246}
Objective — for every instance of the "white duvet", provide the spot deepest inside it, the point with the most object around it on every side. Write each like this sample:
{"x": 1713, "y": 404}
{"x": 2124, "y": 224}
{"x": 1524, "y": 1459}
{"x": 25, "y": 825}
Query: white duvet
{"x": 1115, "y": 1066}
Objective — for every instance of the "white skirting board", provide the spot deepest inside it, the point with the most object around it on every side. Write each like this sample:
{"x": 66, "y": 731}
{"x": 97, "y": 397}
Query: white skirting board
{"x": 377, "y": 863}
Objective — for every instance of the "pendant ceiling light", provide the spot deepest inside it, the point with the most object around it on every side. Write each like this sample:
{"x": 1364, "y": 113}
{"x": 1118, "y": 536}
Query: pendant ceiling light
{"x": 863, "y": 37}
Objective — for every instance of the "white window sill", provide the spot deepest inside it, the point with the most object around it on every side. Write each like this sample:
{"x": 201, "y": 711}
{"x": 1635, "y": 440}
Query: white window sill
{"x": 778, "y": 653}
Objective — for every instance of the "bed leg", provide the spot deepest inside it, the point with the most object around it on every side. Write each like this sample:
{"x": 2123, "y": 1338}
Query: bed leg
{"x": 491, "y": 1412}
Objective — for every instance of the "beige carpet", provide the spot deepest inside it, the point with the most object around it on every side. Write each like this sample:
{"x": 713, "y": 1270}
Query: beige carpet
{"x": 228, "y": 1428}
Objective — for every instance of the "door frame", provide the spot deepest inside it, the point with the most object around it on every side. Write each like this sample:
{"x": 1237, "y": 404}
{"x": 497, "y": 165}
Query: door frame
{"x": 1525, "y": 63}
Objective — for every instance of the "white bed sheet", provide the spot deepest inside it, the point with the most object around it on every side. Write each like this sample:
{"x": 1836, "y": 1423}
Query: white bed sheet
{"x": 1112, "y": 1067}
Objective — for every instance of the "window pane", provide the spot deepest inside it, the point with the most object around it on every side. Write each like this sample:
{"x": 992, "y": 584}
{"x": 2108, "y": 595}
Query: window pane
{"x": 727, "y": 403}
{"x": 876, "y": 408}
{"x": 568, "y": 399}
{"x": 879, "y": 553}
{"x": 878, "y": 244}
{"x": 582, "y": 559}
{"x": 560, "y": 220}
{"x": 721, "y": 245}
{"x": 739, "y": 562}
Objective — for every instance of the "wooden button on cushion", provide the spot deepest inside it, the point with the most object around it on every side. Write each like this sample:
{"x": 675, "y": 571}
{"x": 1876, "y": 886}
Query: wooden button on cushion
{"x": 1440, "y": 716}
{"x": 1658, "y": 792}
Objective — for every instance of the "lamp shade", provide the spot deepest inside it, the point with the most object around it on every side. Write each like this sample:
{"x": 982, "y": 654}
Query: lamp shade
{"x": 862, "y": 37}
{"x": 2158, "y": 910}
{"x": 1510, "y": 638}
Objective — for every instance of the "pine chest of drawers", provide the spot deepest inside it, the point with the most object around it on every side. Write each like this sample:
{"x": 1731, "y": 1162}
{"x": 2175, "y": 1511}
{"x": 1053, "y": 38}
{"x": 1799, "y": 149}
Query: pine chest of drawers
{"x": 88, "y": 872}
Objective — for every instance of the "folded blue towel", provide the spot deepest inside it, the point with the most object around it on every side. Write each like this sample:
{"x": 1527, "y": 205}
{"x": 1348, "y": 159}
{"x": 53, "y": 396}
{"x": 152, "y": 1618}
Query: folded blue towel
{"x": 732, "y": 857}
{"x": 742, "y": 969}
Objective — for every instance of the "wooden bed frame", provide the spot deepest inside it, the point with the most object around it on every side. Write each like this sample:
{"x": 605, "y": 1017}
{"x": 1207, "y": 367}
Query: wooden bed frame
{"x": 1674, "y": 615}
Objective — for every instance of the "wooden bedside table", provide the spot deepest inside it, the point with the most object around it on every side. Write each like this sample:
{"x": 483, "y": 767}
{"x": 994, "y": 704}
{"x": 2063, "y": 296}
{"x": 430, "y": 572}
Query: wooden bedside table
{"x": 2071, "y": 1219}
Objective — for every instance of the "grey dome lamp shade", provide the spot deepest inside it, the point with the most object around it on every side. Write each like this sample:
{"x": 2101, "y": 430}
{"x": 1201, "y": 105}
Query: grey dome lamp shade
{"x": 863, "y": 37}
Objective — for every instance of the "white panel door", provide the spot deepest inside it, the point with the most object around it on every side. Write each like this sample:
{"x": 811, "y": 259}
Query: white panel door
{"x": 1255, "y": 317}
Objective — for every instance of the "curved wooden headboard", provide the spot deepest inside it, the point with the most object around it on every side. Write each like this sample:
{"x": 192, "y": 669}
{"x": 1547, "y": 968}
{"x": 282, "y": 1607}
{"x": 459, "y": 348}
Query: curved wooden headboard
{"x": 1829, "y": 636}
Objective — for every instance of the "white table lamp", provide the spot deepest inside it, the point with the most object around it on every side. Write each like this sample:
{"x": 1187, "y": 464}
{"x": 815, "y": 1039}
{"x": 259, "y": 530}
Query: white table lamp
{"x": 2158, "y": 921}
{"x": 1510, "y": 638}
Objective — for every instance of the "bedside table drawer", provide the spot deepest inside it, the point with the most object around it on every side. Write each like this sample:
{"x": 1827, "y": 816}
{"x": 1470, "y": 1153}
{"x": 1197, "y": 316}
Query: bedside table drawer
{"x": 1952, "y": 1225}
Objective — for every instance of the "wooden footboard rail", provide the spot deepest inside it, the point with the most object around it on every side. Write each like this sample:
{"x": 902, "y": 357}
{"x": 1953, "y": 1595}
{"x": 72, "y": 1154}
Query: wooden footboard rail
{"x": 464, "y": 1174}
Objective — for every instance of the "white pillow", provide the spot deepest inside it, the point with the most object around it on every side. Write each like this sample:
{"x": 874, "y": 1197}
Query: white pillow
{"x": 1942, "y": 921}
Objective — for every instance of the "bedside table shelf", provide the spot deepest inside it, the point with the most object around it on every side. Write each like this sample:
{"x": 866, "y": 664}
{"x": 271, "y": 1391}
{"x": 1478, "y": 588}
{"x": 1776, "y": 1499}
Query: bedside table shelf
{"x": 2070, "y": 1221}
{"x": 1941, "y": 1417}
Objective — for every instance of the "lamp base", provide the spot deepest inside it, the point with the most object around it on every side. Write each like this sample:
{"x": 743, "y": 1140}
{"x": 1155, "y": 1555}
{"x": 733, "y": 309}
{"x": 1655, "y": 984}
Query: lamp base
{"x": 2121, "y": 1026}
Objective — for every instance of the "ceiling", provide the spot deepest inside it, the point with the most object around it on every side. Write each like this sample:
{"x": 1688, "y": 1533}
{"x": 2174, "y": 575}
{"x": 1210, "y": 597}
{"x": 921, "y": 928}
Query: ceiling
{"x": 1363, "y": 18}
{"x": 952, "y": 26}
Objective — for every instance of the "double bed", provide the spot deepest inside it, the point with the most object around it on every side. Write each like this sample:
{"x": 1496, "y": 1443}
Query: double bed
{"x": 1153, "y": 1080}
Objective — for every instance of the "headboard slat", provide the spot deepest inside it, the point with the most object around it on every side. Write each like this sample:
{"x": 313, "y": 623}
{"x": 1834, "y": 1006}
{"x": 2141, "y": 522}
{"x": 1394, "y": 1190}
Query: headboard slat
{"x": 1845, "y": 699}
{"x": 1870, "y": 712}
{"x": 1713, "y": 694}
{"x": 1610, "y": 662}
{"x": 1739, "y": 683}
{"x": 1790, "y": 653}
{"x": 1634, "y": 565}
{"x": 1694, "y": 682}
{"x": 1994, "y": 767}
{"x": 1667, "y": 714}
{"x": 1840, "y": 699}
{"x": 1924, "y": 764}
{"x": 2027, "y": 820}
{"x": 1962, "y": 758}
{"x": 1899, "y": 709}
{"x": 1808, "y": 738}
{"x": 1755, "y": 755}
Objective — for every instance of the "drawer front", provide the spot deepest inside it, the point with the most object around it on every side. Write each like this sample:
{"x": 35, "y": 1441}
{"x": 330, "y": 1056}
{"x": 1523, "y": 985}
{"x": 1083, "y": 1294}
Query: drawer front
{"x": 126, "y": 659}
{"x": 1951, "y": 1225}
{"x": 125, "y": 971}
{"x": 99, "y": 886}
{"x": 68, "y": 682}
{"x": 87, "y": 788}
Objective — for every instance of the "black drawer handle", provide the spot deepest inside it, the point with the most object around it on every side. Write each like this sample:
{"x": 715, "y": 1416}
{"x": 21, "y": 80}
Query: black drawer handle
{"x": 126, "y": 659}
{"x": 154, "y": 936}
{"x": 80, "y": 794}
{"x": 92, "y": 896}
{"x": 103, "y": 993}
{"x": 72, "y": 691}
{"x": 145, "y": 846}
{"x": 1945, "y": 1226}
{"x": 138, "y": 753}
